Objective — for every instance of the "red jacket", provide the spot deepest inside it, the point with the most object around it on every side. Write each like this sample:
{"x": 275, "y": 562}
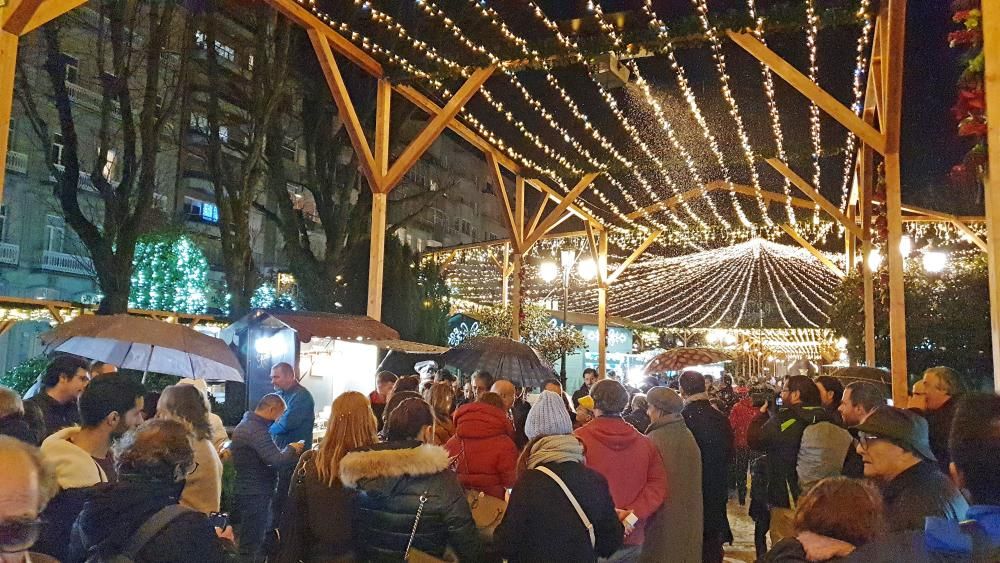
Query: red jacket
{"x": 631, "y": 464}
{"x": 740, "y": 418}
{"x": 483, "y": 449}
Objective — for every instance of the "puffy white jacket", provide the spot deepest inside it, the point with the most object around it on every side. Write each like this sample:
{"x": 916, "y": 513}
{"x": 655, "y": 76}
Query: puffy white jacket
{"x": 74, "y": 467}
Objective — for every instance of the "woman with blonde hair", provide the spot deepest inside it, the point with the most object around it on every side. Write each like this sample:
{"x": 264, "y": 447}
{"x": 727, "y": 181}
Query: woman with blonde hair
{"x": 316, "y": 526}
{"x": 441, "y": 397}
{"x": 203, "y": 487}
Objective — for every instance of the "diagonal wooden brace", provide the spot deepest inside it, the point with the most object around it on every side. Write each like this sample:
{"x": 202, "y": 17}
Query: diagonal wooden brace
{"x": 813, "y": 250}
{"x": 556, "y": 215}
{"x": 634, "y": 256}
{"x": 814, "y": 195}
{"x": 508, "y": 215}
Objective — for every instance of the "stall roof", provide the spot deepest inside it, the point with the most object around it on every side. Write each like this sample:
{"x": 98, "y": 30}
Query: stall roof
{"x": 333, "y": 325}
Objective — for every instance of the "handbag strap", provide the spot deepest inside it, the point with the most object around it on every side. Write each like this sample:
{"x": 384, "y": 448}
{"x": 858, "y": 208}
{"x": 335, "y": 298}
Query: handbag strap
{"x": 416, "y": 522}
{"x": 156, "y": 523}
{"x": 573, "y": 501}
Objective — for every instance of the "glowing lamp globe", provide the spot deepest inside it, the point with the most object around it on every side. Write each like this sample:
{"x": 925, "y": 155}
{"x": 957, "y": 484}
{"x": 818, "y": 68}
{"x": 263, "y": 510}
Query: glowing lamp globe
{"x": 905, "y": 245}
{"x": 548, "y": 271}
{"x": 935, "y": 261}
{"x": 874, "y": 259}
{"x": 587, "y": 269}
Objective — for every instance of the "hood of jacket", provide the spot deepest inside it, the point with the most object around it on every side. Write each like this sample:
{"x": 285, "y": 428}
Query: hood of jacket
{"x": 611, "y": 431}
{"x": 808, "y": 415}
{"x": 480, "y": 420}
{"x": 116, "y": 510}
{"x": 74, "y": 467}
{"x": 947, "y": 536}
{"x": 391, "y": 461}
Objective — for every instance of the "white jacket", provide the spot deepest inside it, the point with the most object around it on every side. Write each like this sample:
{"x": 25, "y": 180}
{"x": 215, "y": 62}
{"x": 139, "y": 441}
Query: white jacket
{"x": 74, "y": 467}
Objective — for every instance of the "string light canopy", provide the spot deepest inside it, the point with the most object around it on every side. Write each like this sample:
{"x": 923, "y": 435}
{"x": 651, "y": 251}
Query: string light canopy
{"x": 548, "y": 109}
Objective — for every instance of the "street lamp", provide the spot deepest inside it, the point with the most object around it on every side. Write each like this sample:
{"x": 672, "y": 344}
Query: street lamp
{"x": 548, "y": 271}
{"x": 587, "y": 269}
{"x": 567, "y": 258}
{"x": 935, "y": 262}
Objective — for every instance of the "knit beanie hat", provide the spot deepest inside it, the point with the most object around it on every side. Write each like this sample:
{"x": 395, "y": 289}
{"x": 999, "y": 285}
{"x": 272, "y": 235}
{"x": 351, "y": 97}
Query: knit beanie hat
{"x": 548, "y": 417}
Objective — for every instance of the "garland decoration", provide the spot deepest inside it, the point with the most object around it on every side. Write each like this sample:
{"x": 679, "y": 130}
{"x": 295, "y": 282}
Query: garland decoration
{"x": 969, "y": 110}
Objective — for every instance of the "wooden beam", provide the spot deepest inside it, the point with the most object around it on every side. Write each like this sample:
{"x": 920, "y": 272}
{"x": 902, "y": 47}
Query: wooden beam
{"x": 345, "y": 108}
{"x": 55, "y": 314}
{"x": 556, "y": 215}
{"x": 602, "y": 307}
{"x": 302, "y": 16}
{"x": 5, "y": 326}
{"x": 556, "y": 197}
{"x": 505, "y": 271}
{"x": 8, "y": 64}
{"x": 439, "y": 121}
{"x": 814, "y": 195}
{"x": 812, "y": 250}
{"x": 673, "y": 201}
{"x": 970, "y": 235}
{"x": 838, "y": 111}
{"x": 868, "y": 282}
{"x": 766, "y": 195}
{"x": 595, "y": 253}
{"x": 850, "y": 241}
{"x": 519, "y": 205}
{"x": 538, "y": 214}
{"x": 383, "y": 111}
{"x": 500, "y": 241}
{"x": 991, "y": 49}
{"x": 893, "y": 62}
{"x": 16, "y": 15}
{"x": 508, "y": 213}
{"x": 448, "y": 260}
{"x": 48, "y": 11}
{"x": 376, "y": 255}
{"x": 515, "y": 309}
{"x": 634, "y": 256}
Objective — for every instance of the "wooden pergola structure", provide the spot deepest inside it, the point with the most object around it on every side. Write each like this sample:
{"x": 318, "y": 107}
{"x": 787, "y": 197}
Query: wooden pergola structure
{"x": 878, "y": 129}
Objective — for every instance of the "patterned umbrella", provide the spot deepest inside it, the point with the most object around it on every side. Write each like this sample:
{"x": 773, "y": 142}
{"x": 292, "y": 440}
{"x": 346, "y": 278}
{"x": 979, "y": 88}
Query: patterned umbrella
{"x": 500, "y": 356}
{"x": 680, "y": 358}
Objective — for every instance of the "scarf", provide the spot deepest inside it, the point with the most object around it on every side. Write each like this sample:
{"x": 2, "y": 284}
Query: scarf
{"x": 696, "y": 397}
{"x": 555, "y": 449}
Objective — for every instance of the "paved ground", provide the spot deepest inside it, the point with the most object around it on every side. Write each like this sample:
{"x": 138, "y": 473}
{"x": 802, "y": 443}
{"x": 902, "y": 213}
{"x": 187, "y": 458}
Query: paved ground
{"x": 742, "y": 550}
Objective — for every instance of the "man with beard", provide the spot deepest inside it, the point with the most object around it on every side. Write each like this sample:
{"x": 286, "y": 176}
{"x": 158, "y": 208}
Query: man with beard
{"x": 80, "y": 455}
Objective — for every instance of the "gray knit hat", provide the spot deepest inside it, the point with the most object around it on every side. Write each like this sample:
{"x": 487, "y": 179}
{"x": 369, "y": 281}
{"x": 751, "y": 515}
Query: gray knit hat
{"x": 665, "y": 399}
{"x": 548, "y": 417}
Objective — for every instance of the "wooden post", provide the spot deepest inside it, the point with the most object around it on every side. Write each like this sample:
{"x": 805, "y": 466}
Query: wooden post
{"x": 892, "y": 62}
{"x": 867, "y": 173}
{"x": 505, "y": 277}
{"x": 991, "y": 50}
{"x": 515, "y": 309}
{"x": 602, "y": 305}
{"x": 8, "y": 63}
{"x": 850, "y": 241}
{"x": 376, "y": 255}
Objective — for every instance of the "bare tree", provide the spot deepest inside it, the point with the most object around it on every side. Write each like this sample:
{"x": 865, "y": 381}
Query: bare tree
{"x": 138, "y": 73}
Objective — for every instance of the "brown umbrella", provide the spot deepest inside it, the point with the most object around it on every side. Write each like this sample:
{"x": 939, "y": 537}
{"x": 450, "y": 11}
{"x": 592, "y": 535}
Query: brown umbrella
{"x": 148, "y": 345}
{"x": 680, "y": 358}
{"x": 500, "y": 356}
{"x": 863, "y": 373}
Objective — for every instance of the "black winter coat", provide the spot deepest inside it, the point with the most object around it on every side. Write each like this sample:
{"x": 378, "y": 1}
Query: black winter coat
{"x": 541, "y": 524}
{"x": 939, "y": 429}
{"x": 316, "y": 522}
{"x": 714, "y": 435}
{"x": 16, "y": 426}
{"x": 919, "y": 492}
{"x": 780, "y": 437}
{"x": 115, "y": 511}
{"x": 390, "y": 479}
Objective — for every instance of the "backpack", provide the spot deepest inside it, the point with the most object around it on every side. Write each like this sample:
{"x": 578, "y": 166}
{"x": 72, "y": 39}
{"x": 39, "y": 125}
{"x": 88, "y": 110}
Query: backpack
{"x": 822, "y": 453}
{"x": 152, "y": 526}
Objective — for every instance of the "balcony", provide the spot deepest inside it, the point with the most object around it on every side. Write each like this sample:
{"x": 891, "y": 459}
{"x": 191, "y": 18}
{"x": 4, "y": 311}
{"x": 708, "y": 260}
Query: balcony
{"x": 17, "y": 162}
{"x": 67, "y": 263}
{"x": 90, "y": 99}
{"x": 9, "y": 253}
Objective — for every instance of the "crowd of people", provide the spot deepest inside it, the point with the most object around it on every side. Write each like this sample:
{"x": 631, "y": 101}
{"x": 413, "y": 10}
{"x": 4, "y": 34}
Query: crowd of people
{"x": 95, "y": 469}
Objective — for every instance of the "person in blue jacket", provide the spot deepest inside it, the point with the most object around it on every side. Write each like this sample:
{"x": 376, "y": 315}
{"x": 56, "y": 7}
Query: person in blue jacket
{"x": 295, "y": 425}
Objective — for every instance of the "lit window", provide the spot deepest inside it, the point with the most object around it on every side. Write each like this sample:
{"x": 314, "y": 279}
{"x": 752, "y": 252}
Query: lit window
{"x": 210, "y": 212}
{"x": 71, "y": 67}
{"x": 109, "y": 163}
{"x": 56, "y": 150}
{"x": 55, "y": 233}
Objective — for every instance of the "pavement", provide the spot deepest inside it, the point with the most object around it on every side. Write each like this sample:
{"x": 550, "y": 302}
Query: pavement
{"x": 742, "y": 550}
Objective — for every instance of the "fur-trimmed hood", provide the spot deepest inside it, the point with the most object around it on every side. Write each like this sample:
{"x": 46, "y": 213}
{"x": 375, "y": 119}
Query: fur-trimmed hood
{"x": 392, "y": 461}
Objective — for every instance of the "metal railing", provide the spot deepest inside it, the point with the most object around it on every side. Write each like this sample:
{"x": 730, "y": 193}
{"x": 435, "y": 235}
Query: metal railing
{"x": 9, "y": 253}
{"x": 16, "y": 162}
{"x": 67, "y": 263}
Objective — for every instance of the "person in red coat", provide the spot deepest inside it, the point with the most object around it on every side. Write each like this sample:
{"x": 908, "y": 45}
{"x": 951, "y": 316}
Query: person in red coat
{"x": 483, "y": 449}
{"x": 740, "y": 418}
{"x": 627, "y": 459}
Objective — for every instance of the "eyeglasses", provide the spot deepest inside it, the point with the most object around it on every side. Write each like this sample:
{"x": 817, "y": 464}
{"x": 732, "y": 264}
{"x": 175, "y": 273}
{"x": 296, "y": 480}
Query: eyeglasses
{"x": 18, "y": 535}
{"x": 865, "y": 439}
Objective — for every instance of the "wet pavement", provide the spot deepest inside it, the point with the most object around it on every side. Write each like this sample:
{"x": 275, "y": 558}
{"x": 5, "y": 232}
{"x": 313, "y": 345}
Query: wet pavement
{"x": 742, "y": 550}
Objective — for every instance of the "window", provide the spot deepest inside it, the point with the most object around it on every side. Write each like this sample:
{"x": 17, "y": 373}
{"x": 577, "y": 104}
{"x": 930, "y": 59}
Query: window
{"x": 224, "y": 134}
{"x": 199, "y": 122}
{"x": 200, "y": 39}
{"x": 291, "y": 147}
{"x": 200, "y": 210}
{"x": 466, "y": 227}
{"x": 438, "y": 217}
{"x": 225, "y": 51}
{"x": 110, "y": 159}
{"x": 249, "y": 62}
{"x": 210, "y": 213}
{"x": 71, "y": 68}
{"x": 3, "y": 223}
{"x": 12, "y": 135}
{"x": 55, "y": 233}
{"x": 56, "y": 150}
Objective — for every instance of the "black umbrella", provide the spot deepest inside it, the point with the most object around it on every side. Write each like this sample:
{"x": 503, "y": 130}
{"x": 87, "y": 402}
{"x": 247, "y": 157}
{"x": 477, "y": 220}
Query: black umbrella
{"x": 502, "y": 357}
{"x": 862, "y": 373}
{"x": 403, "y": 363}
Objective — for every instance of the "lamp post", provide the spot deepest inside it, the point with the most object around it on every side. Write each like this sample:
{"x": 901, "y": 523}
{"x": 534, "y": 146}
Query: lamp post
{"x": 567, "y": 258}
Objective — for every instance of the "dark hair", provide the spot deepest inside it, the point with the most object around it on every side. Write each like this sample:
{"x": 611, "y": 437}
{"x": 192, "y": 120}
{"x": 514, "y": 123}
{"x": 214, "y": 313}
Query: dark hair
{"x": 692, "y": 383}
{"x": 150, "y": 400}
{"x": 386, "y": 377}
{"x": 186, "y": 403}
{"x": 485, "y": 376}
{"x": 107, "y": 394}
{"x": 395, "y": 399}
{"x": 491, "y": 398}
{"x": 551, "y": 381}
{"x": 406, "y": 420}
{"x": 590, "y": 370}
{"x": 445, "y": 375}
{"x": 407, "y": 383}
{"x": 269, "y": 401}
{"x": 808, "y": 392}
{"x": 867, "y": 394}
{"x": 974, "y": 445}
{"x": 63, "y": 366}
{"x": 610, "y": 397}
{"x": 949, "y": 378}
{"x": 846, "y": 509}
{"x": 158, "y": 450}
{"x": 831, "y": 383}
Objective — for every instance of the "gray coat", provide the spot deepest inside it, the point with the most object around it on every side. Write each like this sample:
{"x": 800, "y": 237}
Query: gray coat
{"x": 675, "y": 533}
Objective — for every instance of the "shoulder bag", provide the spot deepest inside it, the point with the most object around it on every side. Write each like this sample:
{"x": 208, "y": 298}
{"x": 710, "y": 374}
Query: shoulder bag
{"x": 487, "y": 510}
{"x": 572, "y": 499}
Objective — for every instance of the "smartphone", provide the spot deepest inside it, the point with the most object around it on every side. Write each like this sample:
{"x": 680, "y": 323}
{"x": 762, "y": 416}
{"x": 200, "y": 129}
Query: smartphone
{"x": 219, "y": 519}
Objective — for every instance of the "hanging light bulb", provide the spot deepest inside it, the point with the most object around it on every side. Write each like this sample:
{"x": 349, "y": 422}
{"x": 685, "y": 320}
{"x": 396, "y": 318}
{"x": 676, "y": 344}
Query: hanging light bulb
{"x": 905, "y": 246}
{"x": 874, "y": 259}
{"x": 935, "y": 262}
{"x": 548, "y": 271}
{"x": 587, "y": 269}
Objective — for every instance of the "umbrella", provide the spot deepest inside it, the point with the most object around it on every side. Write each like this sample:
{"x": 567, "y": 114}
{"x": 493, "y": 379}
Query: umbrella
{"x": 146, "y": 344}
{"x": 680, "y": 358}
{"x": 803, "y": 365}
{"x": 405, "y": 363}
{"x": 500, "y": 356}
{"x": 862, "y": 373}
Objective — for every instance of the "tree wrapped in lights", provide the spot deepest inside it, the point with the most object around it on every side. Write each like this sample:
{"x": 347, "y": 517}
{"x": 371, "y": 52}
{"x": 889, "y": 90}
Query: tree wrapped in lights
{"x": 267, "y": 296}
{"x": 170, "y": 273}
{"x": 537, "y": 330}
